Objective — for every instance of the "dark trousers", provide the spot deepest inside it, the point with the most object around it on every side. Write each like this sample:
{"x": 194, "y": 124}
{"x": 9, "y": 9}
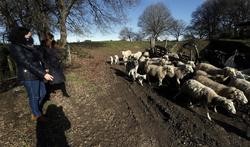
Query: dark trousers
{"x": 36, "y": 92}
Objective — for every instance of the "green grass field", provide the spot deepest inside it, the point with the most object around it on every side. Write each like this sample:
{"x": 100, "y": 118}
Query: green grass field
{"x": 113, "y": 47}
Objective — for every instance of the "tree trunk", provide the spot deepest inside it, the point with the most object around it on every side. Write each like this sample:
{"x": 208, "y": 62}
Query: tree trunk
{"x": 166, "y": 43}
{"x": 197, "y": 57}
{"x": 152, "y": 42}
{"x": 63, "y": 32}
{"x": 63, "y": 41}
{"x": 63, "y": 12}
{"x": 64, "y": 8}
{"x": 68, "y": 59}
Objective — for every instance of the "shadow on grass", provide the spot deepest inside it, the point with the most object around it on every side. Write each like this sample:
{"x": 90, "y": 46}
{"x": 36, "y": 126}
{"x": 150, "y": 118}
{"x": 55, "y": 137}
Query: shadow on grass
{"x": 52, "y": 132}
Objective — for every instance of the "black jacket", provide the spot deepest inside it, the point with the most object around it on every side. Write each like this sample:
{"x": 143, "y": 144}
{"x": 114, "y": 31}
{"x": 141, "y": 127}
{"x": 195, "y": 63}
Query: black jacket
{"x": 28, "y": 61}
{"x": 51, "y": 57}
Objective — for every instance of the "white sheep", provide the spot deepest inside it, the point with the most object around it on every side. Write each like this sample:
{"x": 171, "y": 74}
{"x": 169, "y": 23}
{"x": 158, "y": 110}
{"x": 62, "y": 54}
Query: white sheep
{"x": 218, "y": 78}
{"x": 173, "y": 55}
{"x": 192, "y": 64}
{"x": 152, "y": 61}
{"x": 165, "y": 62}
{"x": 230, "y": 71}
{"x": 137, "y": 55}
{"x": 111, "y": 60}
{"x": 182, "y": 71}
{"x": 205, "y": 96}
{"x": 116, "y": 59}
{"x": 146, "y": 54}
{"x": 179, "y": 63}
{"x": 213, "y": 70}
{"x": 210, "y": 69}
{"x": 155, "y": 59}
{"x": 159, "y": 61}
{"x": 170, "y": 70}
{"x": 159, "y": 71}
{"x": 143, "y": 59}
{"x": 125, "y": 55}
{"x": 166, "y": 57}
{"x": 201, "y": 72}
{"x": 243, "y": 74}
{"x": 223, "y": 90}
{"x": 241, "y": 84}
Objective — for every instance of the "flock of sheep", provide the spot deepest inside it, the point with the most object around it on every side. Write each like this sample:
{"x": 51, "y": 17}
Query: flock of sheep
{"x": 204, "y": 84}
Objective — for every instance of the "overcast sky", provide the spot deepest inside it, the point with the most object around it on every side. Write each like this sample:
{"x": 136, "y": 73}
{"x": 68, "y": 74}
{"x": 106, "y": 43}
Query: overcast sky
{"x": 180, "y": 9}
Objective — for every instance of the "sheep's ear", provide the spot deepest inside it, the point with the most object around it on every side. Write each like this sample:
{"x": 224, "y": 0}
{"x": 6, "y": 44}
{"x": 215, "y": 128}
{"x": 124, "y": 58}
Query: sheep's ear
{"x": 226, "y": 78}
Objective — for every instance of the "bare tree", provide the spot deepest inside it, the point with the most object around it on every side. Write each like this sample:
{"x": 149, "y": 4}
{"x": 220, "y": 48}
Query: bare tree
{"x": 155, "y": 20}
{"x": 64, "y": 15}
{"x": 178, "y": 28}
{"x": 7, "y": 11}
{"x": 219, "y": 18}
{"x": 28, "y": 13}
{"x": 127, "y": 34}
{"x": 80, "y": 15}
{"x": 139, "y": 36}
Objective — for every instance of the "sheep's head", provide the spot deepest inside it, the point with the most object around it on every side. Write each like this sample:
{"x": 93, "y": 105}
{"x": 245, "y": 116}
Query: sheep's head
{"x": 240, "y": 75}
{"x": 125, "y": 59}
{"x": 229, "y": 105}
{"x": 241, "y": 96}
{"x": 191, "y": 63}
{"x": 169, "y": 69}
{"x": 229, "y": 71}
{"x": 116, "y": 56}
{"x": 174, "y": 55}
{"x": 146, "y": 54}
{"x": 189, "y": 68}
{"x": 162, "y": 61}
{"x": 165, "y": 57}
{"x": 136, "y": 63}
{"x": 237, "y": 94}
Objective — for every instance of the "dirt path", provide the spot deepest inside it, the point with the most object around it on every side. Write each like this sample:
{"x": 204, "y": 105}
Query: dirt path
{"x": 105, "y": 109}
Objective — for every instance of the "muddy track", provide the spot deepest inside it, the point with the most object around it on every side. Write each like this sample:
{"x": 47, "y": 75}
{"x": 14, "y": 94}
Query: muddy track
{"x": 149, "y": 121}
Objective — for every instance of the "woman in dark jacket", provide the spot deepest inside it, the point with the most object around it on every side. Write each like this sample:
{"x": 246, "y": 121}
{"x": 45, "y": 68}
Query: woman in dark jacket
{"x": 31, "y": 72}
{"x": 51, "y": 56}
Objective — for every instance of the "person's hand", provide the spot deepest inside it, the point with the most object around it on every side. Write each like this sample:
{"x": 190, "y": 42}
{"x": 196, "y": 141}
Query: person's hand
{"x": 48, "y": 77}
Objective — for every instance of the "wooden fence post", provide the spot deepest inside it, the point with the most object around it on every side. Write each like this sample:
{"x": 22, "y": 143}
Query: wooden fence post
{"x": 68, "y": 55}
{"x": 11, "y": 66}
